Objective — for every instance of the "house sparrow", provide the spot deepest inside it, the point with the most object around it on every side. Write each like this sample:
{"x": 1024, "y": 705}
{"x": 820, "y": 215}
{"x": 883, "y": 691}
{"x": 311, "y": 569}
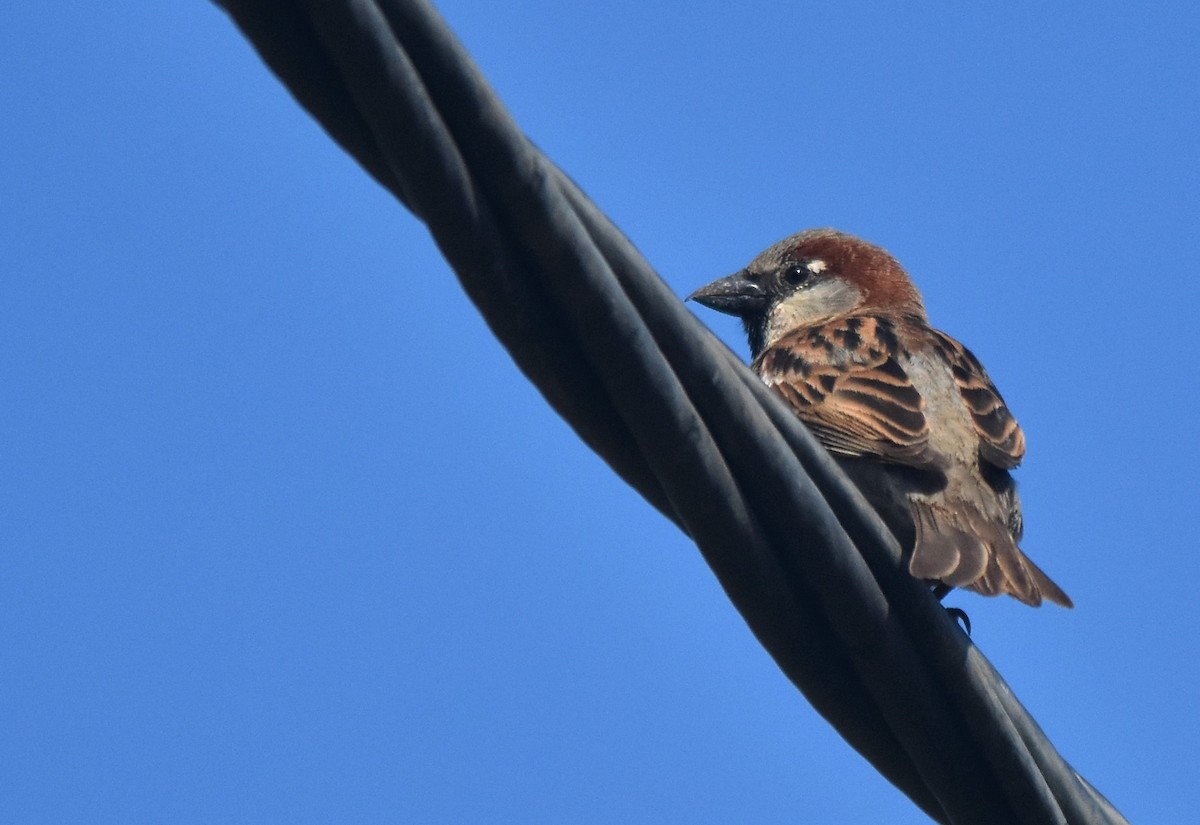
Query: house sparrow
{"x": 839, "y": 331}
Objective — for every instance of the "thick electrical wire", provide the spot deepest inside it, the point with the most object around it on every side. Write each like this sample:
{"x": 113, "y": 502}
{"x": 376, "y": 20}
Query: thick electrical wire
{"x": 805, "y": 560}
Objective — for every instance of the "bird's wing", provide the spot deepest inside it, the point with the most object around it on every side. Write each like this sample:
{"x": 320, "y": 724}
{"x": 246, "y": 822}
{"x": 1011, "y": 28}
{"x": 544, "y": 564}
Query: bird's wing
{"x": 1001, "y": 440}
{"x": 845, "y": 381}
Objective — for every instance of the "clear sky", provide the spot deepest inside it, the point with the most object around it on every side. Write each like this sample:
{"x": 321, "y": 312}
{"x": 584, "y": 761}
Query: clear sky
{"x": 284, "y": 536}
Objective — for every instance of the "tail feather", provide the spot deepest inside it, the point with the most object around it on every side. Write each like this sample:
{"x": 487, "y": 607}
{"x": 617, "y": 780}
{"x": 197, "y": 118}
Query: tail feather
{"x": 942, "y": 551}
{"x": 964, "y": 548}
{"x": 1047, "y": 586}
{"x": 1007, "y": 573}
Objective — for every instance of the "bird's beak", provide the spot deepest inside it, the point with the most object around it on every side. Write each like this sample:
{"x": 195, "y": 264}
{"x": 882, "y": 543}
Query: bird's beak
{"x": 733, "y": 295}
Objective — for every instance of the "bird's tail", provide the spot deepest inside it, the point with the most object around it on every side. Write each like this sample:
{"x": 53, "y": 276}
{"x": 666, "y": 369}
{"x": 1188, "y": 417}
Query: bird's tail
{"x": 964, "y": 548}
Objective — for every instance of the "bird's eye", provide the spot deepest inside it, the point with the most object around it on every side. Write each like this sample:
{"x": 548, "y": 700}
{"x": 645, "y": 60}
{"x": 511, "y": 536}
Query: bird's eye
{"x": 797, "y": 274}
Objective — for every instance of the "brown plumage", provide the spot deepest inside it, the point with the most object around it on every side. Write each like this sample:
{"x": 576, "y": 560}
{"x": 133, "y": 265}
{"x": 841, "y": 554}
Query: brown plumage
{"x": 838, "y": 329}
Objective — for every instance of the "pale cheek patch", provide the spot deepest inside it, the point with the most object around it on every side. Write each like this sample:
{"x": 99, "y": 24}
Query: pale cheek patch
{"x": 809, "y": 307}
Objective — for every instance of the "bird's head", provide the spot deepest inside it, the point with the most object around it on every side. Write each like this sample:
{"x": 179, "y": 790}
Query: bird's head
{"x": 810, "y": 278}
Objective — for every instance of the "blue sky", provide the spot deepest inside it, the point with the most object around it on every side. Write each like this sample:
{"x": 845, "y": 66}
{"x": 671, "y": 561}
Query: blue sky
{"x": 286, "y": 537}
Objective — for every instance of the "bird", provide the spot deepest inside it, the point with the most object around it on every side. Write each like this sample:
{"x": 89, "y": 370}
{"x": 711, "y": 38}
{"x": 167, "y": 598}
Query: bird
{"x": 839, "y": 331}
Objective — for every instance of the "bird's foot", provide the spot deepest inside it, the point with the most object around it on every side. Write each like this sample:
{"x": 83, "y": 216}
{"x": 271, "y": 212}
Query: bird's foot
{"x": 959, "y": 615}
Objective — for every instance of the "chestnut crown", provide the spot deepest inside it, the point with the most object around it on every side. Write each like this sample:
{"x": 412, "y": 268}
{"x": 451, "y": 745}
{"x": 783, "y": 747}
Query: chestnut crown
{"x": 810, "y": 278}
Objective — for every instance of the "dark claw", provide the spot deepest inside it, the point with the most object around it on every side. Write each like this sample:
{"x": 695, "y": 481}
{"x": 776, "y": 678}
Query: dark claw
{"x": 959, "y": 615}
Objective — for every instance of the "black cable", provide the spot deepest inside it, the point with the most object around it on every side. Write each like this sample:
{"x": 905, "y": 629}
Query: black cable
{"x": 804, "y": 559}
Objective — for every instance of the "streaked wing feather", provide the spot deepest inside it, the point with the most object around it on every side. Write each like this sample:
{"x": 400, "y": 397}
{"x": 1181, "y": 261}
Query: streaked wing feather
{"x": 845, "y": 381}
{"x": 1002, "y": 442}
